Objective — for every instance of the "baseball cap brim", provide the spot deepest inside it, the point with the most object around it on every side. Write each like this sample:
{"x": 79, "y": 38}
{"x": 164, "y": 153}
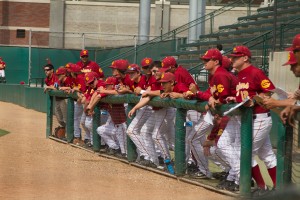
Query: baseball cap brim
{"x": 163, "y": 69}
{"x": 236, "y": 55}
{"x": 289, "y": 63}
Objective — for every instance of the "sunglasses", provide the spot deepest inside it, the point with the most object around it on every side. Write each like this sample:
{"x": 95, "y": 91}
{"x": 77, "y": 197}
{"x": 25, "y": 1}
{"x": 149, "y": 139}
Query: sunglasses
{"x": 154, "y": 71}
{"x": 84, "y": 56}
{"x": 46, "y": 70}
{"x": 145, "y": 67}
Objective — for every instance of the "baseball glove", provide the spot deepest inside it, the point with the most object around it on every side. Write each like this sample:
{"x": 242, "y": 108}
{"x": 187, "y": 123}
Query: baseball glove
{"x": 60, "y": 132}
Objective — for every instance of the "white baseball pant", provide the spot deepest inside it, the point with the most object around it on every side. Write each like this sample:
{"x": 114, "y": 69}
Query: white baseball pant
{"x": 61, "y": 111}
{"x": 229, "y": 146}
{"x": 78, "y": 110}
{"x": 134, "y": 130}
{"x": 196, "y": 139}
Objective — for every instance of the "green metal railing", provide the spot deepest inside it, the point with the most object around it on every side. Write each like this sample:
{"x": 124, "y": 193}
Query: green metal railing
{"x": 182, "y": 106}
{"x": 173, "y": 34}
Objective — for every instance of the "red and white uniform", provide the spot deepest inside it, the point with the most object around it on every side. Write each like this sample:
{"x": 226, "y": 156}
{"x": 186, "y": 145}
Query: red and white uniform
{"x": 52, "y": 80}
{"x": 113, "y": 132}
{"x": 253, "y": 81}
{"x": 91, "y": 66}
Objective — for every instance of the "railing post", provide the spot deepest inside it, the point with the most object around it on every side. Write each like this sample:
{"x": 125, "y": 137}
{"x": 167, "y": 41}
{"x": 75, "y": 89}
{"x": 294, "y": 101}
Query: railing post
{"x": 180, "y": 164}
{"x": 96, "y": 124}
{"x": 49, "y": 115}
{"x": 246, "y": 152}
{"x": 70, "y": 119}
{"x": 280, "y": 157}
{"x": 211, "y": 22}
{"x": 131, "y": 148}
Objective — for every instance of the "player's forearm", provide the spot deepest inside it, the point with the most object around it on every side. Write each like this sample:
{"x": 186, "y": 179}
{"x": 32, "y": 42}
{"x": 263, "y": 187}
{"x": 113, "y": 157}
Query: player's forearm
{"x": 154, "y": 93}
{"x": 110, "y": 92}
{"x": 144, "y": 101}
{"x": 284, "y": 103}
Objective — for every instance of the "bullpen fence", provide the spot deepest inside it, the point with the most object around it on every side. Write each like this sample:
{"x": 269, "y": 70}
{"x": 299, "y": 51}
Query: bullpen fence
{"x": 287, "y": 166}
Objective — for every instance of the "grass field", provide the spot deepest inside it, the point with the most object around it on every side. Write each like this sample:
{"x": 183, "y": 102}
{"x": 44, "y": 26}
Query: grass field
{"x": 3, "y": 132}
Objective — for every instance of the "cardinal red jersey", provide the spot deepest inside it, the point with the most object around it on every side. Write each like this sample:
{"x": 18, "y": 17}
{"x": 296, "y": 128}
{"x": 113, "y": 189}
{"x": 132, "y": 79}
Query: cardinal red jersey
{"x": 252, "y": 81}
{"x": 222, "y": 84}
{"x": 80, "y": 83}
{"x": 141, "y": 83}
{"x": 68, "y": 82}
{"x": 218, "y": 129}
{"x": 90, "y": 91}
{"x": 151, "y": 79}
{"x": 117, "y": 113}
{"x": 180, "y": 88}
{"x": 50, "y": 81}
{"x": 91, "y": 66}
{"x": 183, "y": 76}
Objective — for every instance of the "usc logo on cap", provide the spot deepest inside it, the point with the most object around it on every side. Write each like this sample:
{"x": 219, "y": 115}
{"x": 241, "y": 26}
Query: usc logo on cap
{"x": 234, "y": 49}
{"x": 87, "y": 78}
{"x": 265, "y": 83}
{"x": 147, "y": 61}
{"x": 163, "y": 74}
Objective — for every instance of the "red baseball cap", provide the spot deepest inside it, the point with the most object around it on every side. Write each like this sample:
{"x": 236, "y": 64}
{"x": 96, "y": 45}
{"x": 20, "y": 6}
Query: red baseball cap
{"x": 167, "y": 77}
{"x": 84, "y": 52}
{"x": 296, "y": 44}
{"x": 133, "y": 68}
{"x": 163, "y": 70}
{"x": 90, "y": 77}
{"x": 74, "y": 68}
{"x": 240, "y": 51}
{"x": 60, "y": 71}
{"x": 212, "y": 54}
{"x": 111, "y": 81}
{"x": 146, "y": 62}
{"x": 226, "y": 62}
{"x": 291, "y": 59}
{"x": 120, "y": 64}
{"x": 167, "y": 62}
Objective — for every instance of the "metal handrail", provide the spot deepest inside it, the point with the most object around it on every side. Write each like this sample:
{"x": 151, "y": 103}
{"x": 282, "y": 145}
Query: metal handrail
{"x": 171, "y": 34}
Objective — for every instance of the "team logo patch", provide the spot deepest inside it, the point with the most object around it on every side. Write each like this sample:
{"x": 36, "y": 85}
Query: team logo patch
{"x": 57, "y": 71}
{"x": 87, "y": 78}
{"x": 234, "y": 49}
{"x": 163, "y": 74}
{"x": 162, "y": 64}
{"x": 220, "y": 88}
{"x": 147, "y": 61}
{"x": 265, "y": 83}
{"x": 100, "y": 70}
{"x": 220, "y": 132}
{"x": 113, "y": 63}
{"x": 289, "y": 56}
{"x": 67, "y": 65}
{"x": 84, "y": 52}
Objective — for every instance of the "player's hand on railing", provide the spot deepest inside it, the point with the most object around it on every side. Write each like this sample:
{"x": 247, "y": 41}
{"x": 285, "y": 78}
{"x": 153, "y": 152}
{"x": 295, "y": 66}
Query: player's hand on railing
{"x": 175, "y": 95}
{"x": 230, "y": 99}
{"x": 293, "y": 112}
{"x": 193, "y": 88}
{"x": 164, "y": 95}
{"x": 137, "y": 90}
{"x": 188, "y": 94}
{"x": 297, "y": 95}
{"x": 212, "y": 102}
{"x": 285, "y": 114}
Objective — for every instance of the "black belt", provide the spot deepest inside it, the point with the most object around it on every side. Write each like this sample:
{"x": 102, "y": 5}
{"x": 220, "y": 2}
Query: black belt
{"x": 259, "y": 114}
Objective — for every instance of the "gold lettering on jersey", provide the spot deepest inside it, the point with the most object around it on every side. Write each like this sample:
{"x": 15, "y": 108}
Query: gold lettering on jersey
{"x": 100, "y": 70}
{"x": 220, "y": 88}
{"x": 86, "y": 70}
{"x": 265, "y": 83}
{"x": 241, "y": 86}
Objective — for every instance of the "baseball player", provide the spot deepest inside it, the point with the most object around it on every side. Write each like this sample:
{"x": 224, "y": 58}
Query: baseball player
{"x": 252, "y": 81}
{"x": 52, "y": 83}
{"x": 2, "y": 71}
{"x": 80, "y": 87}
{"x": 221, "y": 85}
{"x": 92, "y": 81}
{"x": 88, "y": 65}
{"x": 113, "y": 132}
{"x": 139, "y": 85}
